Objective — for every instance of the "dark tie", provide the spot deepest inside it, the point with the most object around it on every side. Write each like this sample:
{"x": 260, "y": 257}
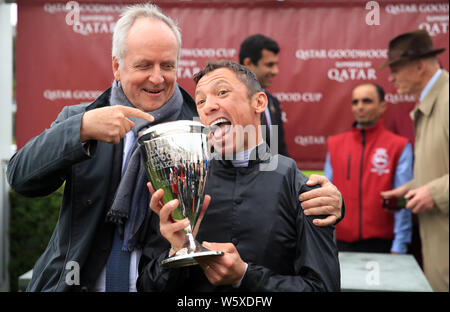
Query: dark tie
{"x": 118, "y": 264}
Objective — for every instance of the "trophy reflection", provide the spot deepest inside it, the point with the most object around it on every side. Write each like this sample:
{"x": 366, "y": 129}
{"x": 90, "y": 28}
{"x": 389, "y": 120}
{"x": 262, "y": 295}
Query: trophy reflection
{"x": 176, "y": 155}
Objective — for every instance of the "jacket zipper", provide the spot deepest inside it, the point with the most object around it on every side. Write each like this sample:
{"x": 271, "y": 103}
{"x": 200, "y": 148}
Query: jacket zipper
{"x": 363, "y": 142}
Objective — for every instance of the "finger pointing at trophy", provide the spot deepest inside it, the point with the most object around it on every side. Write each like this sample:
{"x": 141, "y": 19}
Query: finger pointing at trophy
{"x": 176, "y": 155}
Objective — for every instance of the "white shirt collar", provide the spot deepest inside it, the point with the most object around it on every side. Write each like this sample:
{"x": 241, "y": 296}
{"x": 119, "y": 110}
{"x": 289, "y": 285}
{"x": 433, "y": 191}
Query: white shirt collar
{"x": 242, "y": 158}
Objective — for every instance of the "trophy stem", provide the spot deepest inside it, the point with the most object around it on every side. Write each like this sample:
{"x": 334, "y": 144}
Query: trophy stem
{"x": 191, "y": 243}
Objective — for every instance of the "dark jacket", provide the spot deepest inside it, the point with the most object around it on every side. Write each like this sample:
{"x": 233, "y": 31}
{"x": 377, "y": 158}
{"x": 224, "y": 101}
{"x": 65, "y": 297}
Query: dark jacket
{"x": 259, "y": 212}
{"x": 81, "y": 237}
{"x": 275, "y": 117}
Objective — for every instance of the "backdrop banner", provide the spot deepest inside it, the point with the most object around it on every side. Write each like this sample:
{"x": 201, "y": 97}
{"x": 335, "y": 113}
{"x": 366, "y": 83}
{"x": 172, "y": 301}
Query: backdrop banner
{"x": 63, "y": 56}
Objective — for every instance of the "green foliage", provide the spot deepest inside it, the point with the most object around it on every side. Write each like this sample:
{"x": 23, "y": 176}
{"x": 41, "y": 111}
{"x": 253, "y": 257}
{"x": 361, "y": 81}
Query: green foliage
{"x": 308, "y": 173}
{"x": 32, "y": 221}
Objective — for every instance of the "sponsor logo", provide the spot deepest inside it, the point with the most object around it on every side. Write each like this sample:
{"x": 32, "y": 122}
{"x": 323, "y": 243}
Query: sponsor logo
{"x": 86, "y": 19}
{"x": 188, "y": 66}
{"x": 396, "y": 9}
{"x": 395, "y": 98}
{"x": 53, "y": 95}
{"x": 306, "y": 140}
{"x": 435, "y": 28}
{"x": 435, "y": 24}
{"x": 380, "y": 161}
{"x": 306, "y": 97}
{"x": 83, "y": 7}
{"x": 208, "y": 53}
{"x": 350, "y": 68}
{"x": 309, "y": 54}
{"x": 345, "y": 74}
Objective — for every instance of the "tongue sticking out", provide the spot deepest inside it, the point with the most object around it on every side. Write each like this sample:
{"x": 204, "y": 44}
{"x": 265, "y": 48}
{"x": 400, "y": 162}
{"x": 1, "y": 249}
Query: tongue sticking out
{"x": 221, "y": 130}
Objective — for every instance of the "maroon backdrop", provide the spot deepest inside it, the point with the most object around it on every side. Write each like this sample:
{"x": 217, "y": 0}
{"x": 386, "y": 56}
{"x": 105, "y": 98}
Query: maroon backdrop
{"x": 327, "y": 47}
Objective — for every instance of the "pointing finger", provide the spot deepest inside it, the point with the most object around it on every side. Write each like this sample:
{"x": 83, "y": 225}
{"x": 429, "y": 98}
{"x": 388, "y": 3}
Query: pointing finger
{"x": 134, "y": 112}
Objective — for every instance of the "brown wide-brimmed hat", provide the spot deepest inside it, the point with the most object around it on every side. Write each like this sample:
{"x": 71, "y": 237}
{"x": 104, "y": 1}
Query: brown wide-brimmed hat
{"x": 410, "y": 46}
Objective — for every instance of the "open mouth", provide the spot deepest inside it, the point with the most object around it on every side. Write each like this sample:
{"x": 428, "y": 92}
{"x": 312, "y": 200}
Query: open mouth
{"x": 152, "y": 91}
{"x": 220, "y": 127}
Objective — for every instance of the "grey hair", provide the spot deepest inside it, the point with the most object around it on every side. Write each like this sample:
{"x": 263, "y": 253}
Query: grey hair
{"x": 127, "y": 19}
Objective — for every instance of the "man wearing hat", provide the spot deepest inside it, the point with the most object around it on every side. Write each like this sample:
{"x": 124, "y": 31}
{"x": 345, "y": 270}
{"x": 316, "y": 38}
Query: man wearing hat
{"x": 415, "y": 71}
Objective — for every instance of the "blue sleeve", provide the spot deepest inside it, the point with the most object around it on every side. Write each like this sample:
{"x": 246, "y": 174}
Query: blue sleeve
{"x": 403, "y": 218}
{"x": 328, "y": 170}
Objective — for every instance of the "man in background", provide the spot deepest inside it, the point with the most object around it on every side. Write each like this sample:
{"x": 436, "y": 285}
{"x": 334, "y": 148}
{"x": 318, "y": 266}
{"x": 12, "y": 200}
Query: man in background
{"x": 363, "y": 162}
{"x": 415, "y": 71}
{"x": 260, "y": 54}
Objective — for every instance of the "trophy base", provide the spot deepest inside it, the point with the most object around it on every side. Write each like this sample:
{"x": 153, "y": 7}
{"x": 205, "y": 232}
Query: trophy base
{"x": 188, "y": 259}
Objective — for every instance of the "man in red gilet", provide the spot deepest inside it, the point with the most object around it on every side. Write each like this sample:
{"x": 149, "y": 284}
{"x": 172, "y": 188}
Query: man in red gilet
{"x": 363, "y": 162}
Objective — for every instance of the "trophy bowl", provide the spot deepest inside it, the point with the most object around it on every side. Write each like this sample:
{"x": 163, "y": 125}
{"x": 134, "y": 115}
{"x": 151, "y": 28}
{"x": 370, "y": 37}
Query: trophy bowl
{"x": 176, "y": 156}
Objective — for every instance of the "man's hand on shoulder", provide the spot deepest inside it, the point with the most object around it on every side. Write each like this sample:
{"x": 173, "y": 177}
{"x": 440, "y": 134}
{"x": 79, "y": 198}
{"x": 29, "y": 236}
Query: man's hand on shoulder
{"x": 326, "y": 200}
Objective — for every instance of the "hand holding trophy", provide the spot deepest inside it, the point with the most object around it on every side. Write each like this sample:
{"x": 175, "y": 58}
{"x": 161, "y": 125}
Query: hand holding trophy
{"x": 176, "y": 156}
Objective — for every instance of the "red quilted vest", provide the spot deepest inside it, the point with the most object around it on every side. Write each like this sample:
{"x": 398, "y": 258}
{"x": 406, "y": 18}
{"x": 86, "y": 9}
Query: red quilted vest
{"x": 364, "y": 163}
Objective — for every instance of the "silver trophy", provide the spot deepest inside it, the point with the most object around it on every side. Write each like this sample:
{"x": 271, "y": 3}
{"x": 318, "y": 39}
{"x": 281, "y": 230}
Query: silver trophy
{"x": 176, "y": 155}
